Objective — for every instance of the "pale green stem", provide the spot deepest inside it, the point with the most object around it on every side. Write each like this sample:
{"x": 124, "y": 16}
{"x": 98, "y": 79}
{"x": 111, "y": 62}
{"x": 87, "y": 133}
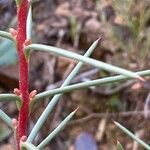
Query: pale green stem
{"x": 75, "y": 56}
{"x": 56, "y": 131}
{"x": 6, "y": 119}
{"x": 87, "y": 84}
{"x": 6, "y": 35}
{"x": 55, "y": 99}
{"x": 138, "y": 140}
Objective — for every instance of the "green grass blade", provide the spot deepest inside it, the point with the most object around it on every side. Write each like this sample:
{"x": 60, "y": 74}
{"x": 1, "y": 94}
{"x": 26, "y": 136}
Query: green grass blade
{"x": 28, "y": 146}
{"x": 29, "y": 23}
{"x": 119, "y": 146}
{"x": 6, "y": 35}
{"x": 87, "y": 84}
{"x": 56, "y": 131}
{"x": 134, "y": 137}
{"x": 6, "y": 119}
{"x": 75, "y": 56}
{"x": 55, "y": 99}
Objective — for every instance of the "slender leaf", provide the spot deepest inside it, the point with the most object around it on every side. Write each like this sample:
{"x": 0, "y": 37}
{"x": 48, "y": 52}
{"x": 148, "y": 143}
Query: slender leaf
{"x": 33, "y": 1}
{"x": 18, "y": 2}
{"x": 28, "y": 146}
{"x": 78, "y": 86}
{"x": 9, "y": 97}
{"x": 4, "y": 133}
{"x": 119, "y": 146}
{"x": 6, "y": 119}
{"x": 56, "y": 131}
{"x": 7, "y": 35}
{"x": 134, "y": 137}
{"x": 55, "y": 99}
{"x": 29, "y": 23}
{"x": 75, "y": 56}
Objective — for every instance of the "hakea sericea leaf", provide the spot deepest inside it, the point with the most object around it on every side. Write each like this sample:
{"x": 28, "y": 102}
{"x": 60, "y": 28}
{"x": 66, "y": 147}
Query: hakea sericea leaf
{"x": 119, "y": 146}
{"x": 56, "y": 131}
{"x": 6, "y": 119}
{"x": 18, "y": 2}
{"x": 87, "y": 84}
{"x": 6, "y": 35}
{"x": 28, "y": 146}
{"x": 134, "y": 137}
{"x": 29, "y": 23}
{"x": 11, "y": 97}
{"x": 55, "y": 99}
{"x": 75, "y": 56}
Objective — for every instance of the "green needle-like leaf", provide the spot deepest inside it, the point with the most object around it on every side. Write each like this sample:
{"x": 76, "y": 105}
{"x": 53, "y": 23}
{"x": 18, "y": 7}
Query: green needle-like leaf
{"x": 28, "y": 146}
{"x": 119, "y": 146}
{"x": 6, "y": 119}
{"x": 18, "y": 2}
{"x": 87, "y": 84}
{"x": 75, "y": 56}
{"x": 33, "y": 1}
{"x": 29, "y": 23}
{"x": 134, "y": 137}
{"x": 9, "y": 97}
{"x": 55, "y": 99}
{"x": 7, "y": 35}
{"x": 56, "y": 131}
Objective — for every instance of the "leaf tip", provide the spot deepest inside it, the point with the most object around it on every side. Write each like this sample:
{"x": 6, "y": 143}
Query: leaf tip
{"x": 98, "y": 40}
{"x": 76, "y": 110}
{"x": 116, "y": 123}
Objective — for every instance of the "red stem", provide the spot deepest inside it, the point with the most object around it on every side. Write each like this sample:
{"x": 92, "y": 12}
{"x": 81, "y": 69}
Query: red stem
{"x": 22, "y": 12}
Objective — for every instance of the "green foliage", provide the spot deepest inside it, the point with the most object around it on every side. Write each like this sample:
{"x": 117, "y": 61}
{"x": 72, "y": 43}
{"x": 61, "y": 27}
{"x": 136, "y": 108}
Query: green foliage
{"x": 18, "y": 2}
{"x": 56, "y": 131}
{"x": 6, "y": 119}
{"x": 4, "y": 133}
{"x": 75, "y": 56}
{"x": 134, "y": 137}
{"x": 108, "y": 81}
{"x": 28, "y": 146}
{"x": 8, "y": 57}
{"x": 119, "y": 146}
{"x": 55, "y": 99}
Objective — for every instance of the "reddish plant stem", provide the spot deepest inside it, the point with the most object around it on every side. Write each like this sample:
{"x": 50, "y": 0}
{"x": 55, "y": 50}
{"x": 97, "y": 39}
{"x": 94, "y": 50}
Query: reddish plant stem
{"x": 22, "y": 11}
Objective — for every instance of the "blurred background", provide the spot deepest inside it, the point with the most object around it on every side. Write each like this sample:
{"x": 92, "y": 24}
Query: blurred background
{"x": 124, "y": 26}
